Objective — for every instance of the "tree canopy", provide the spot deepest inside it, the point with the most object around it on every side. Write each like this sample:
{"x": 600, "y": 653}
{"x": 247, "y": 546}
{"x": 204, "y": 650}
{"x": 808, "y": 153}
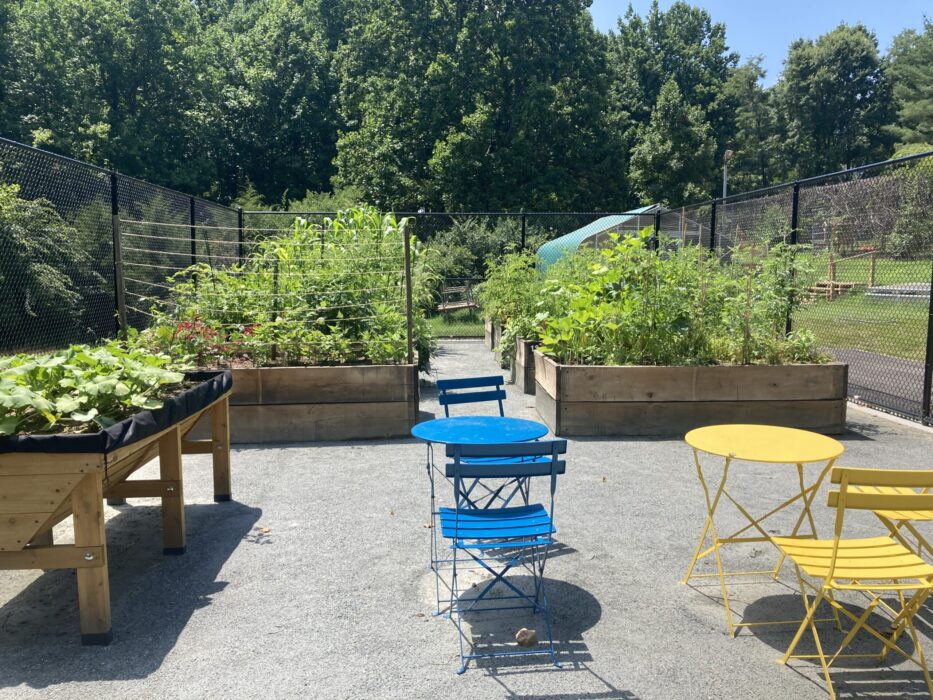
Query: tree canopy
{"x": 443, "y": 104}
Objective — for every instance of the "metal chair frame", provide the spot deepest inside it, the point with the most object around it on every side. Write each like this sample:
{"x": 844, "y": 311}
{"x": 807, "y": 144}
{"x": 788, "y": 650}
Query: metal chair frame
{"x": 501, "y": 546}
{"x": 871, "y": 566}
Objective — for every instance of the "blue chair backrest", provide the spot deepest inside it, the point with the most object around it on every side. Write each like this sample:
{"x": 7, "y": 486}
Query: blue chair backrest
{"x": 513, "y": 460}
{"x": 449, "y": 396}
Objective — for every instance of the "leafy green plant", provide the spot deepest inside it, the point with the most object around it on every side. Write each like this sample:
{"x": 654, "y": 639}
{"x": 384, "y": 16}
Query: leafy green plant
{"x": 82, "y": 387}
{"x": 631, "y": 305}
{"x": 318, "y": 294}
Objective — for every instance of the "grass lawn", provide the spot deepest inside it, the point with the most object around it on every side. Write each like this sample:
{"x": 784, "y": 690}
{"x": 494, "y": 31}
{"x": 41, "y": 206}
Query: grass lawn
{"x": 897, "y": 328}
{"x": 856, "y": 270}
{"x": 457, "y": 324}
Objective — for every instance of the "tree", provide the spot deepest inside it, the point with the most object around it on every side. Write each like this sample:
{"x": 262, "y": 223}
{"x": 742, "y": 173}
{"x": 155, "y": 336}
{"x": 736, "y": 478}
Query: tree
{"x": 274, "y": 111}
{"x": 837, "y": 99}
{"x": 683, "y": 45}
{"x": 753, "y": 140}
{"x": 493, "y": 106}
{"x": 672, "y": 161}
{"x": 110, "y": 81}
{"x": 911, "y": 67}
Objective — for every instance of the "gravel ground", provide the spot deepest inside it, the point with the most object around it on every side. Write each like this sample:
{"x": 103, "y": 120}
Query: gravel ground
{"x": 313, "y": 583}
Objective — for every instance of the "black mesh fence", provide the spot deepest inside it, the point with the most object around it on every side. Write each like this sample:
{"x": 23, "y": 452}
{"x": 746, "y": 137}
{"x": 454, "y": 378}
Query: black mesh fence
{"x": 56, "y": 251}
{"x": 865, "y": 236}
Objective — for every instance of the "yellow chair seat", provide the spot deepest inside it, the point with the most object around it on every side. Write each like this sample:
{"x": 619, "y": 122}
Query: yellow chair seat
{"x": 921, "y": 515}
{"x": 871, "y": 558}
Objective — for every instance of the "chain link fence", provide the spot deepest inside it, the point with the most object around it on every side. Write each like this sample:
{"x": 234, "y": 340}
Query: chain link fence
{"x": 866, "y": 235}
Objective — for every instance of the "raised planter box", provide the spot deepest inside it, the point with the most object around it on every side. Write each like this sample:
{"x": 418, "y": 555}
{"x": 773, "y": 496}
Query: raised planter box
{"x": 46, "y": 478}
{"x": 492, "y": 334}
{"x": 523, "y": 366}
{"x": 308, "y": 404}
{"x": 587, "y": 400}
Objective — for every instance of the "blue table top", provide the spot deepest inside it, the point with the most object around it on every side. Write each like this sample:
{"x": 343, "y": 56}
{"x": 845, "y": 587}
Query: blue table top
{"x": 479, "y": 430}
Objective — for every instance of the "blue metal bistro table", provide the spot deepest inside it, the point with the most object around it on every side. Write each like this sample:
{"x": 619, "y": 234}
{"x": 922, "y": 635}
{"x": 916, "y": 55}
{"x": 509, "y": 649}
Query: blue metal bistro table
{"x": 470, "y": 430}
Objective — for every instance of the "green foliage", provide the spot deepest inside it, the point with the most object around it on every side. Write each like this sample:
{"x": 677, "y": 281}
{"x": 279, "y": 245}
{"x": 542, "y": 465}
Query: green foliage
{"x": 630, "y": 305}
{"x": 330, "y": 294}
{"x": 45, "y": 273}
{"x": 82, "y": 388}
{"x": 673, "y": 155}
{"x": 836, "y": 97}
{"x": 911, "y": 67}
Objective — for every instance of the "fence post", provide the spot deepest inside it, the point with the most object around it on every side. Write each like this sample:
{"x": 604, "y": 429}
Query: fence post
{"x": 926, "y": 411}
{"x": 794, "y": 210}
{"x": 408, "y": 311}
{"x": 240, "y": 234}
{"x": 712, "y": 228}
{"x": 119, "y": 286}
{"x": 655, "y": 237}
{"x": 194, "y": 237}
{"x": 523, "y": 229}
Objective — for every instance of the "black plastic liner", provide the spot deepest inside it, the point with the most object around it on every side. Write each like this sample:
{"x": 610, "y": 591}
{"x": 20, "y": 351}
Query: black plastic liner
{"x": 214, "y": 384}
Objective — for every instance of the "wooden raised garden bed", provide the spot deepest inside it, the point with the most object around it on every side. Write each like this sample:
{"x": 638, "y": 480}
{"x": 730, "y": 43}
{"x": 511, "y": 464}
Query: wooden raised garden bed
{"x": 46, "y": 478}
{"x": 598, "y": 400}
{"x": 523, "y": 366}
{"x": 307, "y": 404}
{"x": 492, "y": 334}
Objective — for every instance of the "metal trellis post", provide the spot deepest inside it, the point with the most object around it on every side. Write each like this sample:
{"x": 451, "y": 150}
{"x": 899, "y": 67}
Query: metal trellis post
{"x": 712, "y": 227}
{"x": 524, "y": 221}
{"x": 408, "y": 312}
{"x": 240, "y": 234}
{"x": 119, "y": 286}
{"x": 926, "y": 411}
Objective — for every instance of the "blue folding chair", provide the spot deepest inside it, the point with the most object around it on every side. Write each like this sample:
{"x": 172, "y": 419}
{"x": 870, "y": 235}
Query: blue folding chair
{"x": 449, "y": 394}
{"x": 506, "y": 537}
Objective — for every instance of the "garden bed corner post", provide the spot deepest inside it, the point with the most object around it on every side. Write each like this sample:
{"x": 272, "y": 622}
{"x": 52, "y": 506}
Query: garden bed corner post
{"x": 87, "y": 501}
{"x": 220, "y": 439}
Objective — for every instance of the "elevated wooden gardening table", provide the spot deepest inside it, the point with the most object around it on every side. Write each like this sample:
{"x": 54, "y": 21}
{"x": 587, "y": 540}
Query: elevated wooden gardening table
{"x": 46, "y": 478}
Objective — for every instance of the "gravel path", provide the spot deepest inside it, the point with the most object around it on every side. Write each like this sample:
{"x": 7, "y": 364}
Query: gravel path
{"x": 313, "y": 583}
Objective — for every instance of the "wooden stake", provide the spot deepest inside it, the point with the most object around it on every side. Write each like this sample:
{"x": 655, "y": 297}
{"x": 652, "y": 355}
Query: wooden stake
{"x": 87, "y": 504}
{"x": 173, "y": 500}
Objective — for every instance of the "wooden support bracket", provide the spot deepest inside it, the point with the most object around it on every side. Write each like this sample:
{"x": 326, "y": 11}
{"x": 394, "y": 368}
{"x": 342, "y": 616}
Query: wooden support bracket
{"x": 143, "y": 488}
{"x": 61, "y": 556}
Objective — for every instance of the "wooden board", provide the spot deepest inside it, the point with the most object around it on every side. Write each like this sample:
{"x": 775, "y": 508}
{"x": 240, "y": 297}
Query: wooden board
{"x": 523, "y": 367}
{"x": 326, "y": 421}
{"x": 299, "y": 385}
{"x": 715, "y": 383}
{"x": 675, "y": 418}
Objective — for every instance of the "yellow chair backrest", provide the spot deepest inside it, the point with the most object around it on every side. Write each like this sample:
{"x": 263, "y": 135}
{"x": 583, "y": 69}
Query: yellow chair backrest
{"x": 894, "y": 489}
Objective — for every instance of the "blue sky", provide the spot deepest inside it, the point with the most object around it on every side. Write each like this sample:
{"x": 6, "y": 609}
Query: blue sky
{"x": 768, "y": 28}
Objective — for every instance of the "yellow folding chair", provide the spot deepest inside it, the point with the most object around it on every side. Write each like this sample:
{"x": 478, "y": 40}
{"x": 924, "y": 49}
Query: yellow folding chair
{"x": 898, "y": 521}
{"x": 874, "y": 565}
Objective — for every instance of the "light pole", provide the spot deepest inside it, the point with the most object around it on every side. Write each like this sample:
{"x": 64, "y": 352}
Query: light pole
{"x": 726, "y": 157}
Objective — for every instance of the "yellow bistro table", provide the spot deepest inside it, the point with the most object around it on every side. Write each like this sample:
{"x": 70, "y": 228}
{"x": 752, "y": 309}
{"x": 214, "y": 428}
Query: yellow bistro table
{"x": 756, "y": 443}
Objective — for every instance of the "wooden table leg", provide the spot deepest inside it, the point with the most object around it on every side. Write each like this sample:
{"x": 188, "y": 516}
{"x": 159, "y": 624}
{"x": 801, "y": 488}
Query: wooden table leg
{"x": 220, "y": 435}
{"x": 87, "y": 503}
{"x": 173, "y": 503}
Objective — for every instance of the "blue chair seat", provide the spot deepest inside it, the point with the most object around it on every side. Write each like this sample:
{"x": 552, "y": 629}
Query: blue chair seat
{"x": 469, "y": 528}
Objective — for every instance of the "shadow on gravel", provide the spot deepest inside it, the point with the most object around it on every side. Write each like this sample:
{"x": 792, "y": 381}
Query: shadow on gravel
{"x": 896, "y": 677}
{"x": 152, "y": 598}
